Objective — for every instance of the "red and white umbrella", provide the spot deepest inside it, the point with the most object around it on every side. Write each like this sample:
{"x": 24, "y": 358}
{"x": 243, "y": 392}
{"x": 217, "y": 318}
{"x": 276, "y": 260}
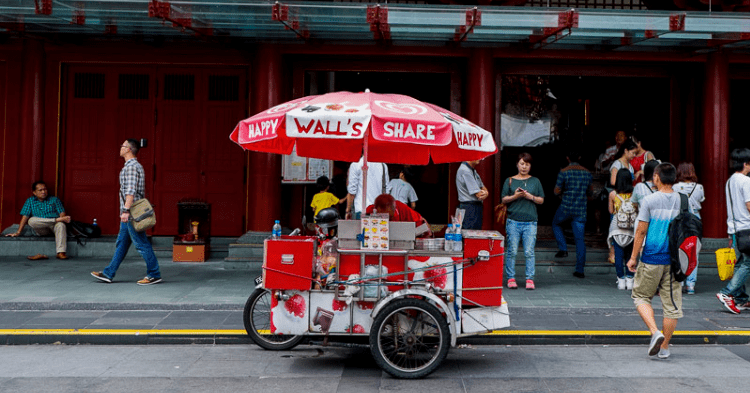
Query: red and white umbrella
{"x": 388, "y": 128}
{"x": 344, "y": 126}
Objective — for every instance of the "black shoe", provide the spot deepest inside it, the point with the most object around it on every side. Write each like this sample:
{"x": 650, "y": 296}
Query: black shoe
{"x": 561, "y": 254}
{"x": 579, "y": 275}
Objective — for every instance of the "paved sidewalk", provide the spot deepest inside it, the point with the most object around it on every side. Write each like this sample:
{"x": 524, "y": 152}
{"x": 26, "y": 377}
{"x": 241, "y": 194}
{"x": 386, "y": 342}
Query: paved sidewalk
{"x": 59, "y": 301}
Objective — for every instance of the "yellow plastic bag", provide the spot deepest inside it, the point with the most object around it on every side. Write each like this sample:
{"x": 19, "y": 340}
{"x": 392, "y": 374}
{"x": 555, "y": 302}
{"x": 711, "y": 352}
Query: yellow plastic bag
{"x": 725, "y": 259}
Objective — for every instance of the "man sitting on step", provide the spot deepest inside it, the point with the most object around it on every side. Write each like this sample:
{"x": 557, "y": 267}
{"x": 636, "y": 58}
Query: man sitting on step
{"x": 45, "y": 214}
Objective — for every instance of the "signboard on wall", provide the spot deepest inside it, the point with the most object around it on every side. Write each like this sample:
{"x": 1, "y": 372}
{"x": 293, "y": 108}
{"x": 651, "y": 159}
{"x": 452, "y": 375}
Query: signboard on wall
{"x": 302, "y": 170}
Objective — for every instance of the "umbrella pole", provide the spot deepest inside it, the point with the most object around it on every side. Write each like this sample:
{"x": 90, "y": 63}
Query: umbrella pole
{"x": 364, "y": 172}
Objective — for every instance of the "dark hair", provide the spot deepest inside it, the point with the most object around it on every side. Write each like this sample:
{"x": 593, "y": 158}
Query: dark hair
{"x": 738, "y": 158}
{"x": 648, "y": 169}
{"x": 627, "y": 145}
{"x": 134, "y": 146}
{"x": 686, "y": 173}
{"x": 624, "y": 181}
{"x": 667, "y": 173}
{"x": 408, "y": 175}
{"x": 526, "y": 157}
{"x": 573, "y": 154}
{"x": 322, "y": 183}
{"x": 36, "y": 183}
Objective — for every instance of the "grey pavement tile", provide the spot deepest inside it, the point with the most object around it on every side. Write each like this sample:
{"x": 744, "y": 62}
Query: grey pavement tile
{"x": 225, "y": 368}
{"x": 113, "y": 384}
{"x": 501, "y": 385}
{"x": 167, "y": 353}
{"x": 305, "y": 362}
{"x": 43, "y": 385}
{"x": 591, "y": 384}
{"x": 14, "y": 319}
{"x": 363, "y": 384}
{"x": 669, "y": 384}
{"x": 150, "y": 368}
{"x": 429, "y": 384}
{"x": 194, "y": 319}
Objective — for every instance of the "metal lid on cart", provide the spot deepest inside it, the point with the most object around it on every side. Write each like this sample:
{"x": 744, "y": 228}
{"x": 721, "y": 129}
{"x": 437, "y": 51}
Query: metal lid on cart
{"x": 480, "y": 234}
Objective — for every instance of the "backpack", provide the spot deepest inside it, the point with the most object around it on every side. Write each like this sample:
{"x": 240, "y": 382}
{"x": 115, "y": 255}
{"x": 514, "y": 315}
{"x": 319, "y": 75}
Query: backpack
{"x": 81, "y": 231}
{"x": 626, "y": 214}
{"x": 684, "y": 233}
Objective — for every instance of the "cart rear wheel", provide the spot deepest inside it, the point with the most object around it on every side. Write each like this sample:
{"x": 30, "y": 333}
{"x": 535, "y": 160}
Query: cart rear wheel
{"x": 409, "y": 338}
{"x": 257, "y": 319}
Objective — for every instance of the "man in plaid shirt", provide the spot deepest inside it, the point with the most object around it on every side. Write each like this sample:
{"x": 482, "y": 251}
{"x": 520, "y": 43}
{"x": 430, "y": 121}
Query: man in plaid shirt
{"x": 574, "y": 185}
{"x": 132, "y": 188}
{"x": 45, "y": 214}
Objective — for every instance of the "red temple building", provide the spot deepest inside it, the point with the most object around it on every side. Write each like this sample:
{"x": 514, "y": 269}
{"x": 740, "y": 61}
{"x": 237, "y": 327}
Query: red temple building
{"x": 77, "y": 77}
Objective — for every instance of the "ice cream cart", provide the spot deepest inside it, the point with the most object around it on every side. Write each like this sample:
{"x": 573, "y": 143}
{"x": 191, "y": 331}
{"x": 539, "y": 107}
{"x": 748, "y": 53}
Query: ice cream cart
{"x": 412, "y": 299}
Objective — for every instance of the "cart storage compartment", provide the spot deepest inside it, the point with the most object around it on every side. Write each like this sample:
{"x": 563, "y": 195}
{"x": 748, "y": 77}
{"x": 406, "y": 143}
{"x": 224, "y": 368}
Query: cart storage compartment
{"x": 483, "y": 281}
{"x": 288, "y": 262}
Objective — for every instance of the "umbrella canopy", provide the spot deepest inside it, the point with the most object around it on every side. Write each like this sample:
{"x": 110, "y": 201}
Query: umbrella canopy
{"x": 341, "y": 126}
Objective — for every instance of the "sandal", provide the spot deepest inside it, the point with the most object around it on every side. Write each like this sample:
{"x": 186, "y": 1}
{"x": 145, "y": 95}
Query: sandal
{"x": 37, "y": 257}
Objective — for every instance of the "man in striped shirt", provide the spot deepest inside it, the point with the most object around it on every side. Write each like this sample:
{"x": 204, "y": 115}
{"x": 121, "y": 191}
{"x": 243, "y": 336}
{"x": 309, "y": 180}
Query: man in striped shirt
{"x": 132, "y": 188}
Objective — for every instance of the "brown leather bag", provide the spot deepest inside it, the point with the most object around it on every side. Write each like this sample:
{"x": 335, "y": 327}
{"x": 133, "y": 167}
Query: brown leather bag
{"x": 501, "y": 214}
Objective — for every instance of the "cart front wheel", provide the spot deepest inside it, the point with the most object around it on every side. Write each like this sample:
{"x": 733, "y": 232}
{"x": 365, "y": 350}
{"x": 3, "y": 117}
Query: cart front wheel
{"x": 409, "y": 338}
{"x": 257, "y": 319}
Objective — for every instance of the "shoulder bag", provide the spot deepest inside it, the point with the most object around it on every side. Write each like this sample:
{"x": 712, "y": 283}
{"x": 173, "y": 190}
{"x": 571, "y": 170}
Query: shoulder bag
{"x": 142, "y": 215}
{"x": 741, "y": 238}
{"x": 501, "y": 213}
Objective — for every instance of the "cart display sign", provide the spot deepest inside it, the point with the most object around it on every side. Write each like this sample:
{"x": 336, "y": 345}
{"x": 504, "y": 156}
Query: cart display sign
{"x": 301, "y": 170}
{"x": 375, "y": 231}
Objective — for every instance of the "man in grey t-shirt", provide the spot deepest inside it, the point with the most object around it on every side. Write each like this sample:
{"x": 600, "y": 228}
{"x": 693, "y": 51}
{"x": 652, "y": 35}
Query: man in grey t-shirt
{"x": 733, "y": 295}
{"x": 471, "y": 194}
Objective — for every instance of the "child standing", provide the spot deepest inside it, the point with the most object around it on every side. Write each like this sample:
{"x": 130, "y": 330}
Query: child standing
{"x": 324, "y": 199}
{"x": 402, "y": 190}
{"x": 622, "y": 226}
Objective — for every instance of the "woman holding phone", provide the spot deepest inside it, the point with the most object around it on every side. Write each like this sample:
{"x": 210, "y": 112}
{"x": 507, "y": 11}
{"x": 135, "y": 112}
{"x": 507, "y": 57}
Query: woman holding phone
{"x": 521, "y": 193}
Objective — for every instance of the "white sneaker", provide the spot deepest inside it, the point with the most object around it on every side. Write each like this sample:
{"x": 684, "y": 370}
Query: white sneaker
{"x": 621, "y": 284}
{"x": 629, "y": 283}
{"x": 656, "y": 340}
{"x": 663, "y": 353}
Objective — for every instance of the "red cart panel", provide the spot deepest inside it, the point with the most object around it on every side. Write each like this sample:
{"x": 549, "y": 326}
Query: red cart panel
{"x": 487, "y": 275}
{"x": 288, "y": 263}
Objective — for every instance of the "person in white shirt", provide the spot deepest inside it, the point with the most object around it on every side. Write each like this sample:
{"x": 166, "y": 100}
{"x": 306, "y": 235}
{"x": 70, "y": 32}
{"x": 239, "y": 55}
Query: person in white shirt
{"x": 733, "y": 296}
{"x": 377, "y": 178}
{"x": 687, "y": 183}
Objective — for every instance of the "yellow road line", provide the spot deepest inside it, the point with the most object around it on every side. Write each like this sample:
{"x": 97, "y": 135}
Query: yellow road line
{"x": 208, "y": 332}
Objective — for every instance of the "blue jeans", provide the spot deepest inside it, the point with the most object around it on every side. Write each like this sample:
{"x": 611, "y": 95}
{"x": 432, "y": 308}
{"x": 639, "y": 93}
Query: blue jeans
{"x": 516, "y": 231}
{"x": 622, "y": 255}
{"x": 578, "y": 225}
{"x": 472, "y": 215}
{"x": 736, "y": 286}
{"x": 127, "y": 236}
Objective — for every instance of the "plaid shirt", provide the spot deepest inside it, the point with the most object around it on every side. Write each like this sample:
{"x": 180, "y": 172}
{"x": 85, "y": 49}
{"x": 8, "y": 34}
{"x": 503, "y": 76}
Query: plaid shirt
{"x": 48, "y": 208}
{"x": 132, "y": 182}
{"x": 573, "y": 182}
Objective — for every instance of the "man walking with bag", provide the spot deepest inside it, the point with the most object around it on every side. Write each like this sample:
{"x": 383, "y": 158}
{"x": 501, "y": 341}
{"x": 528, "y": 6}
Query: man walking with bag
{"x": 654, "y": 274}
{"x": 733, "y": 295}
{"x": 132, "y": 188}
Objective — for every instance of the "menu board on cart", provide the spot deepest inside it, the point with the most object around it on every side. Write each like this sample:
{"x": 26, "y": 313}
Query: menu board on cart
{"x": 302, "y": 170}
{"x": 375, "y": 230}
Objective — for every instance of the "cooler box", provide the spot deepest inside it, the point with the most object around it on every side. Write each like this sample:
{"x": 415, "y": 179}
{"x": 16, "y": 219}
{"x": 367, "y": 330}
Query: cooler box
{"x": 189, "y": 253}
{"x": 485, "y": 276}
{"x": 288, "y": 263}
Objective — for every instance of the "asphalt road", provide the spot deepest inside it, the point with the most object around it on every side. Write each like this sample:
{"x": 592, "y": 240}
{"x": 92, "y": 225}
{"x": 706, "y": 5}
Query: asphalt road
{"x": 247, "y": 368}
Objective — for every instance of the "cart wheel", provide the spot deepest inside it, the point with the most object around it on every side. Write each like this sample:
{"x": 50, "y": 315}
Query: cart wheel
{"x": 409, "y": 338}
{"x": 257, "y": 319}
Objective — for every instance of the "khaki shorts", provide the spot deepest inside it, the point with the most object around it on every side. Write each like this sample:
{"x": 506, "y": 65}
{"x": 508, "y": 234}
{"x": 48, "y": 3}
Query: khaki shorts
{"x": 650, "y": 278}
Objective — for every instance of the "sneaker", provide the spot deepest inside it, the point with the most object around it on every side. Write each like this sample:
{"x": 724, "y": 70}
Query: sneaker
{"x": 621, "y": 284}
{"x": 743, "y": 306}
{"x": 629, "y": 283}
{"x": 579, "y": 275}
{"x": 691, "y": 290}
{"x": 663, "y": 353}
{"x": 561, "y": 254}
{"x": 512, "y": 284}
{"x": 530, "y": 285}
{"x": 149, "y": 280}
{"x": 101, "y": 276}
{"x": 728, "y": 302}
{"x": 656, "y": 340}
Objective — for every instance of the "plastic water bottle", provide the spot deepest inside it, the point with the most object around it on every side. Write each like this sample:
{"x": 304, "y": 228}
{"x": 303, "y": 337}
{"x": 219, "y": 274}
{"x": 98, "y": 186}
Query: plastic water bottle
{"x": 276, "y": 231}
{"x": 458, "y": 241}
{"x": 95, "y": 222}
{"x": 449, "y": 238}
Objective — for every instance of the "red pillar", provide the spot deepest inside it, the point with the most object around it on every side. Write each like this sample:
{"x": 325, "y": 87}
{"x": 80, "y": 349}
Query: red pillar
{"x": 32, "y": 110}
{"x": 715, "y": 149}
{"x": 264, "y": 180}
{"x": 480, "y": 103}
